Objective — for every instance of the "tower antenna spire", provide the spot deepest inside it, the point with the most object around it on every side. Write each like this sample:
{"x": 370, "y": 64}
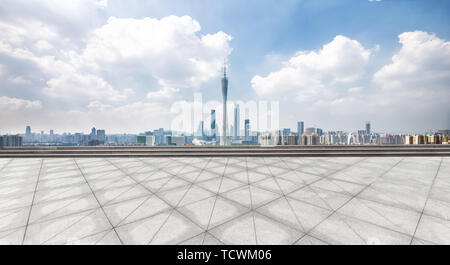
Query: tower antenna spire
{"x": 225, "y": 67}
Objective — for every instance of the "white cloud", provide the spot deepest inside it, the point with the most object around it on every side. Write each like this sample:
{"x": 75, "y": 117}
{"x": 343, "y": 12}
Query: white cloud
{"x": 309, "y": 74}
{"x": 73, "y": 85}
{"x": 170, "y": 49}
{"x": 355, "y": 89}
{"x": 15, "y": 104}
{"x": 423, "y": 63}
{"x": 409, "y": 94}
{"x": 102, "y": 3}
{"x": 164, "y": 93}
{"x": 43, "y": 45}
{"x": 19, "y": 80}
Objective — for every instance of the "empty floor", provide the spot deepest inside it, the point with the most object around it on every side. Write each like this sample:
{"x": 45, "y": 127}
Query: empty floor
{"x": 239, "y": 200}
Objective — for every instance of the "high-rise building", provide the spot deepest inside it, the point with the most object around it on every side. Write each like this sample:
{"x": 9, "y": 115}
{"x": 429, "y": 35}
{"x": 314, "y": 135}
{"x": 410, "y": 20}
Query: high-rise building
{"x": 213, "y": 123}
{"x": 236, "y": 121}
{"x": 367, "y": 127}
{"x": 93, "y": 134}
{"x": 159, "y": 136}
{"x": 300, "y": 127}
{"x": 201, "y": 130}
{"x": 101, "y": 135}
{"x": 224, "y": 102}
{"x": 28, "y": 136}
{"x": 11, "y": 140}
{"x": 247, "y": 130}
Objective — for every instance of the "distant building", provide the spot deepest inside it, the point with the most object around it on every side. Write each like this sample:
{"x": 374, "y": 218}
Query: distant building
{"x": 286, "y": 131}
{"x": 176, "y": 140}
{"x": 291, "y": 139}
{"x": 392, "y": 139}
{"x": 247, "y": 130}
{"x": 430, "y": 138}
{"x": 141, "y": 139}
{"x": 224, "y": 106}
{"x": 409, "y": 139}
{"x": 270, "y": 139}
{"x": 11, "y": 141}
{"x": 319, "y": 132}
{"x": 201, "y": 130}
{"x": 159, "y": 136}
{"x": 213, "y": 124}
{"x": 300, "y": 127}
{"x": 236, "y": 127}
{"x": 28, "y": 131}
{"x": 266, "y": 139}
{"x": 101, "y": 135}
{"x": 94, "y": 142}
{"x": 311, "y": 139}
{"x": 433, "y": 139}
{"x": 419, "y": 139}
{"x": 309, "y": 131}
{"x": 93, "y": 134}
{"x": 149, "y": 140}
{"x": 368, "y": 127}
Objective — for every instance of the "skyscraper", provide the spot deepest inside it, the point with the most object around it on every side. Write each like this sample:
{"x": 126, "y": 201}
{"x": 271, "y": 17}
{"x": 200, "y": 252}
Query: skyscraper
{"x": 201, "y": 130}
{"x": 224, "y": 102}
{"x": 300, "y": 127}
{"x": 93, "y": 134}
{"x": 247, "y": 130}
{"x": 28, "y": 131}
{"x": 236, "y": 121}
{"x": 213, "y": 123}
{"x": 101, "y": 135}
{"x": 367, "y": 127}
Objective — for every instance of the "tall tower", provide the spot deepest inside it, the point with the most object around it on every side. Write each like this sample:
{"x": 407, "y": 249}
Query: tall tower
{"x": 223, "y": 139}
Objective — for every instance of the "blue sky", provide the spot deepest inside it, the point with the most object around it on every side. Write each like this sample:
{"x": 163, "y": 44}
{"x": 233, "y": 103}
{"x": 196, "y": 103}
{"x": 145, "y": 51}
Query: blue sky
{"x": 66, "y": 65}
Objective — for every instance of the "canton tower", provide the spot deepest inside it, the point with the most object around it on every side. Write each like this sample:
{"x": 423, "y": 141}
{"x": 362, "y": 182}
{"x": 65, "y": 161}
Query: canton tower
{"x": 224, "y": 97}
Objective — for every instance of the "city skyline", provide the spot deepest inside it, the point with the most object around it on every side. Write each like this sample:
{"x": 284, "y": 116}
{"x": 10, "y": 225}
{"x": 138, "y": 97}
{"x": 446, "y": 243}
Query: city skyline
{"x": 330, "y": 64}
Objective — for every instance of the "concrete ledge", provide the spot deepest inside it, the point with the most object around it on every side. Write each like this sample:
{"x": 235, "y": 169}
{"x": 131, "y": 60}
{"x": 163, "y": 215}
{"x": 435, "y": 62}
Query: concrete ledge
{"x": 228, "y": 151}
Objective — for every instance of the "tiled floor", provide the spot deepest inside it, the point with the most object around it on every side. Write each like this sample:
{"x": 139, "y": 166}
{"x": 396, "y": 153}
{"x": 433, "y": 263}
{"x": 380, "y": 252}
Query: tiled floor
{"x": 371, "y": 200}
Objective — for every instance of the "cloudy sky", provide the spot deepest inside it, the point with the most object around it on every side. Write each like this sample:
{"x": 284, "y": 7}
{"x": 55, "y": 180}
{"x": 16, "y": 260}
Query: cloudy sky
{"x": 120, "y": 65}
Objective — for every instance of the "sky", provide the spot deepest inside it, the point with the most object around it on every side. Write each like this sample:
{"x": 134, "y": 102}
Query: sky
{"x": 125, "y": 65}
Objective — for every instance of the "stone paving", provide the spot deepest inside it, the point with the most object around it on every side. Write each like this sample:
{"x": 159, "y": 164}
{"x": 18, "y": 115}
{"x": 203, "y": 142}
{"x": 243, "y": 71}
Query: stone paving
{"x": 239, "y": 200}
